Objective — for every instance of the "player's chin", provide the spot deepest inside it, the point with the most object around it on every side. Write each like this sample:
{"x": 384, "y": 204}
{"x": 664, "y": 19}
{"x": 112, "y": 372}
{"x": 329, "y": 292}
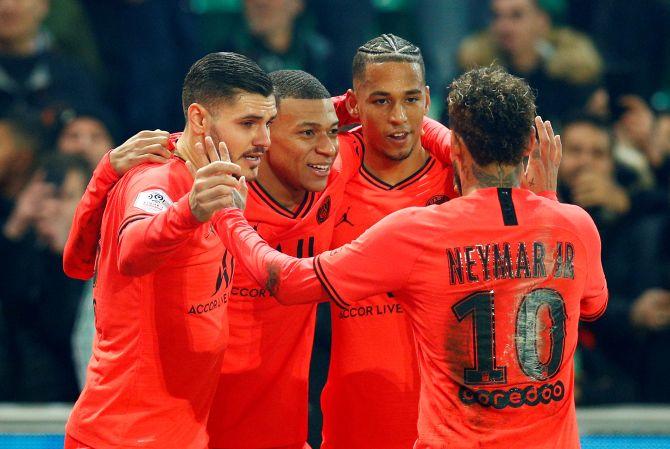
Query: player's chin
{"x": 398, "y": 154}
{"x": 250, "y": 172}
{"x": 314, "y": 184}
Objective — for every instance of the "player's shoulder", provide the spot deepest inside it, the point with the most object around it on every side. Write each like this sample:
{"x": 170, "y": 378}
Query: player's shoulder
{"x": 571, "y": 213}
{"x": 166, "y": 173}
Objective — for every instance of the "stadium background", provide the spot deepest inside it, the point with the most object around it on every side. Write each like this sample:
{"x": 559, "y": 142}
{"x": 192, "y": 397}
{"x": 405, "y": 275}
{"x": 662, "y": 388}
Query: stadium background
{"x": 78, "y": 76}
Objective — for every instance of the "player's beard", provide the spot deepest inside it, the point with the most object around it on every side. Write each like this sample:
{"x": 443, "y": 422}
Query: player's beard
{"x": 399, "y": 157}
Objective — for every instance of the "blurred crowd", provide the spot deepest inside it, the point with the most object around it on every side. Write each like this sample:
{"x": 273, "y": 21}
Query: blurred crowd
{"x": 78, "y": 77}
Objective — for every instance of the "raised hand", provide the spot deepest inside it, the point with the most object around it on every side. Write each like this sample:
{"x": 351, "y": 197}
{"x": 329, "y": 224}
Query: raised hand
{"x": 542, "y": 171}
{"x": 215, "y": 183}
{"x": 145, "y": 146}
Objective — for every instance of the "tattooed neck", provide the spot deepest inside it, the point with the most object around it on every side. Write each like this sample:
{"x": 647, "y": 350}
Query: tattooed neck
{"x": 497, "y": 176}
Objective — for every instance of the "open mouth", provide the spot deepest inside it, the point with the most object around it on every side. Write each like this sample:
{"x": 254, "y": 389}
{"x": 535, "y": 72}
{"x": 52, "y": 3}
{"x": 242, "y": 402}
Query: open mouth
{"x": 320, "y": 169}
{"x": 399, "y": 136}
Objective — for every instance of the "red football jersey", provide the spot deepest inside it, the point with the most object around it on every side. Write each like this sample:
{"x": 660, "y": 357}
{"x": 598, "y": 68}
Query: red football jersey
{"x": 371, "y": 396}
{"x": 261, "y": 400}
{"x": 162, "y": 286}
{"x": 494, "y": 285}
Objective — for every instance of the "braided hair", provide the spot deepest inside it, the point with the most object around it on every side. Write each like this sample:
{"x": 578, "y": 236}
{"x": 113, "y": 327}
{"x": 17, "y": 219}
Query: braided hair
{"x": 386, "y": 48}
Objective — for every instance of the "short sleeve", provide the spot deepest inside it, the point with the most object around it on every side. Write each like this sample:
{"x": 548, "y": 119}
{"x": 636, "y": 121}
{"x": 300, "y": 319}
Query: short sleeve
{"x": 378, "y": 261}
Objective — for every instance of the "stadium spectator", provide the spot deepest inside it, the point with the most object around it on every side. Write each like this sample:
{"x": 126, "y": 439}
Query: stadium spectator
{"x": 86, "y": 133}
{"x": 633, "y": 131}
{"x": 19, "y": 145}
{"x": 39, "y": 301}
{"x": 146, "y": 46}
{"x": 274, "y": 35}
{"x": 34, "y": 76}
{"x": 561, "y": 64}
{"x": 622, "y": 208}
{"x": 659, "y": 156}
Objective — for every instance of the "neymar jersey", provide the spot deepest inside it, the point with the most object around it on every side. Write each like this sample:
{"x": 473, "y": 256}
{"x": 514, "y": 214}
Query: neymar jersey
{"x": 493, "y": 285}
{"x": 372, "y": 392}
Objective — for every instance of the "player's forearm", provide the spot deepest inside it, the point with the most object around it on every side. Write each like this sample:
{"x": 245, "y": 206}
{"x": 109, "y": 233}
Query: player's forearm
{"x": 436, "y": 138}
{"x": 148, "y": 242}
{"x": 288, "y": 279}
{"x": 81, "y": 246}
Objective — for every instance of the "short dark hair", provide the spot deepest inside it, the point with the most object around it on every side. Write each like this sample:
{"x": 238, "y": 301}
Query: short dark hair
{"x": 386, "y": 48}
{"x": 492, "y": 112}
{"x": 297, "y": 84}
{"x": 221, "y": 77}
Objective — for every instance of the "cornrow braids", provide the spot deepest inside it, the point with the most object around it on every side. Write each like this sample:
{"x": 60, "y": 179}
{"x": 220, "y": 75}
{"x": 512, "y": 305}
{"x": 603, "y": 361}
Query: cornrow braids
{"x": 386, "y": 48}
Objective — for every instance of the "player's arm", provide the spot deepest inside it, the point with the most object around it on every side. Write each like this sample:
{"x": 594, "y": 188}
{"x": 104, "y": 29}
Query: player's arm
{"x": 147, "y": 240}
{"x": 81, "y": 246}
{"x": 594, "y": 299}
{"x": 436, "y": 138}
{"x": 352, "y": 272}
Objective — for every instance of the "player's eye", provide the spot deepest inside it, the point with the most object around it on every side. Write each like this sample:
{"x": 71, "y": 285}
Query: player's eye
{"x": 307, "y": 132}
{"x": 413, "y": 99}
{"x": 334, "y": 131}
{"x": 381, "y": 101}
{"x": 248, "y": 123}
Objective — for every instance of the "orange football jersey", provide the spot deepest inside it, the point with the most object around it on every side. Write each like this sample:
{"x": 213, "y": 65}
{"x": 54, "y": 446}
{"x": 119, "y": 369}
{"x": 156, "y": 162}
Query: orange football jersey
{"x": 161, "y": 290}
{"x": 372, "y": 393}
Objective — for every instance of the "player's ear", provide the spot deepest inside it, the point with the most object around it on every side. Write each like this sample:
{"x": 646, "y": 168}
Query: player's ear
{"x": 352, "y": 104}
{"x": 532, "y": 142}
{"x": 197, "y": 118}
{"x": 427, "y": 94}
{"x": 457, "y": 147}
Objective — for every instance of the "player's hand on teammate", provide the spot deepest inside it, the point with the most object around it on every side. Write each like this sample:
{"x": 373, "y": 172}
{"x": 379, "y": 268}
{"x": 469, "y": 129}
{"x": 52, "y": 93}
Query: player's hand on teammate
{"x": 145, "y": 146}
{"x": 215, "y": 182}
{"x": 542, "y": 171}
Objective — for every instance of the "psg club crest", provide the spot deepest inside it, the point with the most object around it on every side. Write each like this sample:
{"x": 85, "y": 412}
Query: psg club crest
{"x": 437, "y": 199}
{"x": 324, "y": 211}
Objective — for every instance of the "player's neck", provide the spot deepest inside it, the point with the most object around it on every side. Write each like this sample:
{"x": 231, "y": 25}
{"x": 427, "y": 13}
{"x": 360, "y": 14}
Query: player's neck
{"x": 393, "y": 171}
{"x": 474, "y": 177}
{"x": 281, "y": 191}
{"x": 186, "y": 145}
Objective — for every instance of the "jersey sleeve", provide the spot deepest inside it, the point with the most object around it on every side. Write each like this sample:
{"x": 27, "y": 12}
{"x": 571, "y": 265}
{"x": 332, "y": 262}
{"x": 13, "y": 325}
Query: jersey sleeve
{"x": 340, "y": 103}
{"x": 594, "y": 299}
{"x": 436, "y": 138}
{"x": 378, "y": 261}
{"x": 82, "y": 242}
{"x": 153, "y": 227}
{"x": 290, "y": 280}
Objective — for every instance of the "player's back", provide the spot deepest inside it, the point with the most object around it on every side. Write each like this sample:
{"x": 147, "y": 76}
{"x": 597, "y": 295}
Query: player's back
{"x": 496, "y": 290}
{"x": 160, "y": 336}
